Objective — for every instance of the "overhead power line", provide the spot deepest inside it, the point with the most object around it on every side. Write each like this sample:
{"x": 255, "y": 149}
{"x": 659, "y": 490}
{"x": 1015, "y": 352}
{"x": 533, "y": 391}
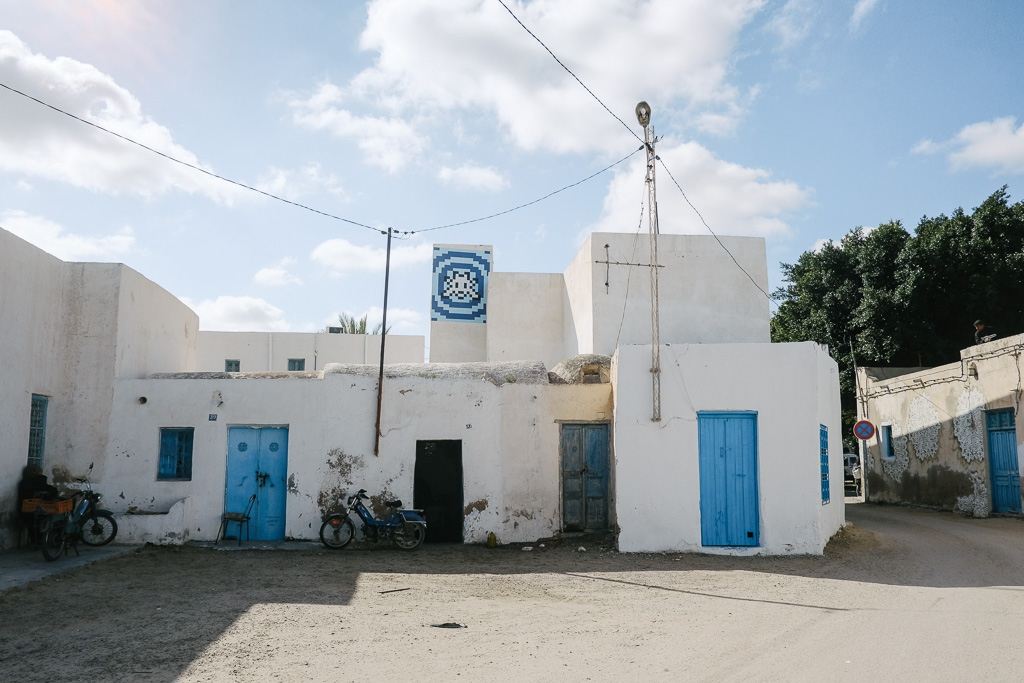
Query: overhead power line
{"x": 598, "y": 99}
{"x": 192, "y": 166}
{"x": 384, "y": 231}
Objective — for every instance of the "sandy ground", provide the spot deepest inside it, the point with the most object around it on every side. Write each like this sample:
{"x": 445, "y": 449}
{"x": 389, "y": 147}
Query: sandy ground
{"x": 901, "y": 595}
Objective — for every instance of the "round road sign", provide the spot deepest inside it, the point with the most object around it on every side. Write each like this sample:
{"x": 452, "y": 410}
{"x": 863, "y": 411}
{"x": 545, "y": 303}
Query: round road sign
{"x": 864, "y": 430}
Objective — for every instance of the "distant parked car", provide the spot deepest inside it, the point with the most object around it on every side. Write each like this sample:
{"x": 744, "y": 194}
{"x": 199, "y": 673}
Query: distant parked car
{"x": 851, "y": 472}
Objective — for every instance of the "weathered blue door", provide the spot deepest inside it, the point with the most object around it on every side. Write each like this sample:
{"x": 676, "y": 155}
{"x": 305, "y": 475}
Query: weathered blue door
{"x": 727, "y": 454}
{"x": 1002, "y": 456}
{"x": 584, "y": 477}
{"x": 258, "y": 463}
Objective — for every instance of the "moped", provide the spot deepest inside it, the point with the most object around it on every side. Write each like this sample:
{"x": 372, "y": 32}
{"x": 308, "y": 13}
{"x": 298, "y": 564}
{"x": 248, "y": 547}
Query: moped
{"x": 77, "y": 519}
{"x": 405, "y": 528}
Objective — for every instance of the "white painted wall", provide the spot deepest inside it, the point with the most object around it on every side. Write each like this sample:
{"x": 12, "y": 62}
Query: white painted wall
{"x": 459, "y": 342}
{"x": 704, "y": 298}
{"x": 525, "y": 317}
{"x": 509, "y": 444}
{"x": 70, "y": 329}
{"x": 270, "y": 351}
{"x": 790, "y": 386}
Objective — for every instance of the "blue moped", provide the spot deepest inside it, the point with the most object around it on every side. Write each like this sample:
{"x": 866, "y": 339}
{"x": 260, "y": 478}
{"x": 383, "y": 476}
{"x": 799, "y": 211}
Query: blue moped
{"x": 405, "y": 528}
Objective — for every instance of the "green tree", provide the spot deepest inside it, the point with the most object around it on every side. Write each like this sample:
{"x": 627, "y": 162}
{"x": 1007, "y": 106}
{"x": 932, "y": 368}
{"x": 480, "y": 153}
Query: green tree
{"x": 894, "y": 299}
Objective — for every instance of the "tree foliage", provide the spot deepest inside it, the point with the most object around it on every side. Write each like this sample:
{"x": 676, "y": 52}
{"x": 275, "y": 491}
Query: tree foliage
{"x": 349, "y": 324}
{"x": 890, "y": 298}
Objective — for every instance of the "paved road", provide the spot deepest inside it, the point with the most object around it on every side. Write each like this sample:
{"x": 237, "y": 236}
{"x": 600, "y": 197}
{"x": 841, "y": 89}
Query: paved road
{"x": 901, "y": 595}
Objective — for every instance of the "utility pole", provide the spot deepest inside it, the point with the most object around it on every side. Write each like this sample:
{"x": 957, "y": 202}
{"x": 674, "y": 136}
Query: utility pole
{"x": 643, "y": 116}
{"x": 383, "y": 339}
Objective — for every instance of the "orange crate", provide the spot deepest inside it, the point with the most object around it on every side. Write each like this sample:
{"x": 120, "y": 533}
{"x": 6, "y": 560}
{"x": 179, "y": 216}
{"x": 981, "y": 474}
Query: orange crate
{"x": 50, "y": 507}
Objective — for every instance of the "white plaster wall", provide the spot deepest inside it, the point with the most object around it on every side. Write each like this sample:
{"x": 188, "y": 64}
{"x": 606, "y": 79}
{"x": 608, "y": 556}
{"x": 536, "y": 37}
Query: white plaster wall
{"x": 155, "y": 331}
{"x": 458, "y": 342}
{"x": 525, "y": 317}
{"x": 704, "y": 298}
{"x": 32, "y": 340}
{"x": 509, "y": 444}
{"x": 833, "y": 515}
{"x": 657, "y": 466}
{"x": 579, "y": 283}
{"x": 254, "y": 350}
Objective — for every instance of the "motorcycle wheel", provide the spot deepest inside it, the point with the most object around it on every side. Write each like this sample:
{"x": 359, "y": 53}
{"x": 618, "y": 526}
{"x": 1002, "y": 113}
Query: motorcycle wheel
{"x": 336, "y": 532}
{"x": 99, "y": 529}
{"x": 53, "y": 541}
{"x": 410, "y": 536}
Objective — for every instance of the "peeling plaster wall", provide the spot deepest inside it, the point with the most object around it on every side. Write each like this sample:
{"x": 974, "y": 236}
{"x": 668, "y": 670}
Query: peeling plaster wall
{"x": 509, "y": 437}
{"x": 793, "y": 388}
{"x": 940, "y": 413}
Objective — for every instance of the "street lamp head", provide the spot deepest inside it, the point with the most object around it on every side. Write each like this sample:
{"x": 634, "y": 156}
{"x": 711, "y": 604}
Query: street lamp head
{"x": 643, "y": 113}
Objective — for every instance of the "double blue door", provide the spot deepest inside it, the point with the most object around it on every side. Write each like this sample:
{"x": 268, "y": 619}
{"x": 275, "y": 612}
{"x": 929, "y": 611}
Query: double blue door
{"x": 1002, "y": 455}
{"x": 584, "y": 477}
{"x": 727, "y": 454}
{"x": 258, "y": 464}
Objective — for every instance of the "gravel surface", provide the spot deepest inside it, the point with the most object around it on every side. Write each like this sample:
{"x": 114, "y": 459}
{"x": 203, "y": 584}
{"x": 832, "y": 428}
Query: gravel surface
{"x": 900, "y": 595}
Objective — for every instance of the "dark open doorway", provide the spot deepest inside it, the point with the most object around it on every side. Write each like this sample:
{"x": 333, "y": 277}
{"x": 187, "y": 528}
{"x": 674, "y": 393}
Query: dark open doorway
{"x": 437, "y": 488}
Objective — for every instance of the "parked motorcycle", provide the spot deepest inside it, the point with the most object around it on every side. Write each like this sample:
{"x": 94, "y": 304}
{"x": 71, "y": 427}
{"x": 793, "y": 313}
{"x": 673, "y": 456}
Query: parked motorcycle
{"x": 405, "y": 528}
{"x": 85, "y": 522}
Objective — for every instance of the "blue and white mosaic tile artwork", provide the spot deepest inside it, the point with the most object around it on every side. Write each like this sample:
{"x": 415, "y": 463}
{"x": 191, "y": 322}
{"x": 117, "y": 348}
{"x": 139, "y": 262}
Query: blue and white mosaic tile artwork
{"x": 460, "y": 284}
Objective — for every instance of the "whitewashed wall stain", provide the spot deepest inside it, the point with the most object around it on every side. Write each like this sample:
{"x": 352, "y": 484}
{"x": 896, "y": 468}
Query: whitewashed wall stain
{"x": 969, "y": 425}
{"x": 977, "y": 502}
{"x": 923, "y": 424}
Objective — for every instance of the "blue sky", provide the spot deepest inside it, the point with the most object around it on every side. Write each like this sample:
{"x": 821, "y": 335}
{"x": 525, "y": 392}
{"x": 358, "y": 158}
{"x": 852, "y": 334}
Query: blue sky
{"x": 792, "y": 120}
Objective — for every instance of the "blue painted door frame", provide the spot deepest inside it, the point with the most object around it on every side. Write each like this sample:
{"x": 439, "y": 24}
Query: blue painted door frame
{"x": 584, "y": 450}
{"x": 1002, "y": 456}
{"x": 727, "y": 454}
{"x": 258, "y": 463}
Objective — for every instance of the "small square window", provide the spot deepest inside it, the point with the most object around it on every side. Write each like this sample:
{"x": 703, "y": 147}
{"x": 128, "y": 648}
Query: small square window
{"x": 296, "y": 364}
{"x": 175, "y": 453}
{"x": 232, "y": 365}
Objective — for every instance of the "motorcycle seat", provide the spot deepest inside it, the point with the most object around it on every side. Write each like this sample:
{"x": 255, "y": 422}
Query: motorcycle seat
{"x": 393, "y": 503}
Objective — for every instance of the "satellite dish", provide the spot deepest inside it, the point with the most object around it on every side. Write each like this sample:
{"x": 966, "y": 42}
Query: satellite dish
{"x": 643, "y": 113}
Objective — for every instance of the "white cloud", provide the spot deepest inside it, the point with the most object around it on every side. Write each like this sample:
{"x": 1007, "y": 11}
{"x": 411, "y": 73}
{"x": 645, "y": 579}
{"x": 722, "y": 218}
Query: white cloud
{"x": 277, "y": 275}
{"x": 40, "y": 142}
{"x": 439, "y": 57}
{"x": 820, "y": 245}
{"x": 793, "y": 22}
{"x": 295, "y": 184}
{"x": 926, "y": 147}
{"x": 991, "y": 144}
{"x": 388, "y": 142}
{"x": 997, "y": 144}
{"x": 52, "y": 238}
{"x": 340, "y": 256}
{"x": 733, "y": 199}
{"x": 399, "y": 319}
{"x": 238, "y": 314}
{"x": 23, "y": 187}
{"x": 473, "y": 177}
{"x": 860, "y": 12}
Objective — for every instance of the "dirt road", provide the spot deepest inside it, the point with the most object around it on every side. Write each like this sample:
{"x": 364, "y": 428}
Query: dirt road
{"x": 902, "y": 595}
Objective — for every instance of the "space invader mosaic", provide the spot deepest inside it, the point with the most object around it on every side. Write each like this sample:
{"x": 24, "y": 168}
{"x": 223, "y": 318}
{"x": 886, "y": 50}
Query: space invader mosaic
{"x": 460, "y": 284}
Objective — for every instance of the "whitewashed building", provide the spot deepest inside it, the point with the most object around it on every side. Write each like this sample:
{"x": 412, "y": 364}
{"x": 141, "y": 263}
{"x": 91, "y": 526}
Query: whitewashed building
{"x": 948, "y": 436}
{"x": 496, "y": 435}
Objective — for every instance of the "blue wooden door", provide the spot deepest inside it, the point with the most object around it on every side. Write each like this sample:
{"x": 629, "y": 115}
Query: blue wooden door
{"x": 258, "y": 464}
{"x": 584, "y": 450}
{"x": 1002, "y": 455}
{"x": 727, "y": 454}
